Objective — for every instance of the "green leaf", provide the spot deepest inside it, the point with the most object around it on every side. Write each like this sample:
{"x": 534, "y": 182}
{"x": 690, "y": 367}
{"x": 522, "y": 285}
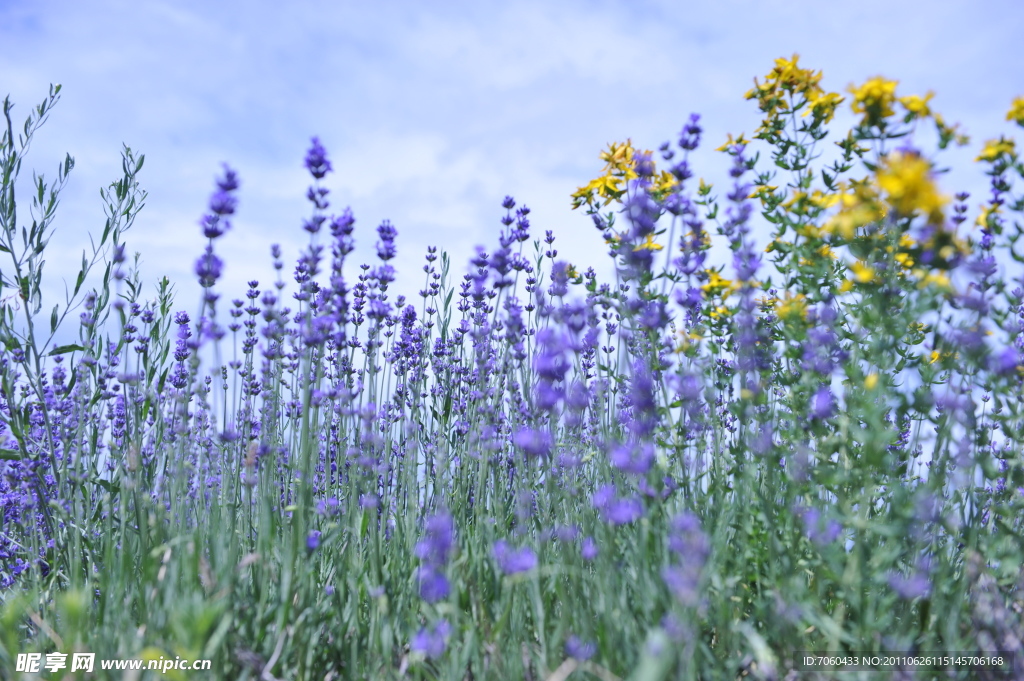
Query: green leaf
{"x": 64, "y": 349}
{"x": 10, "y": 454}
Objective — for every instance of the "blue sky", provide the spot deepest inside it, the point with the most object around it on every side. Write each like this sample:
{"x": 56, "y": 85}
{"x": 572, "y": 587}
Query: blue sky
{"x": 432, "y": 112}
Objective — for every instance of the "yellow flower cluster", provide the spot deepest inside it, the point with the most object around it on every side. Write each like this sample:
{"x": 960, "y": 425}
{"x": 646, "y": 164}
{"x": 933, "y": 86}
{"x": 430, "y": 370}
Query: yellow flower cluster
{"x": 610, "y": 185}
{"x": 788, "y": 78}
{"x": 995, "y": 148}
{"x": 716, "y": 284}
{"x": 619, "y": 169}
{"x": 903, "y": 182}
{"x": 874, "y": 99}
{"x": 917, "y": 105}
{"x": 859, "y": 205}
{"x": 792, "y": 307}
{"x": 1016, "y": 113}
{"x": 906, "y": 178}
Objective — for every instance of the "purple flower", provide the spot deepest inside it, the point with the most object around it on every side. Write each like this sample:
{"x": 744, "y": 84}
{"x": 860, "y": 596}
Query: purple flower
{"x": 688, "y": 541}
{"x": 823, "y": 403}
{"x": 434, "y": 584}
{"x": 1006, "y": 362}
{"x": 316, "y": 160}
{"x": 623, "y": 511}
{"x": 432, "y": 642}
{"x": 208, "y": 268}
{"x": 439, "y": 533}
{"x": 589, "y": 549}
{"x": 229, "y": 182}
{"x": 313, "y": 541}
{"x": 223, "y": 203}
{"x": 636, "y": 459}
{"x": 513, "y": 561}
{"x": 818, "y": 531}
{"x": 534, "y": 443}
{"x": 917, "y": 585}
{"x": 579, "y": 649}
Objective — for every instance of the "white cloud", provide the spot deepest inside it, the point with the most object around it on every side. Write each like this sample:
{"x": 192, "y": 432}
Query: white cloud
{"x": 432, "y": 113}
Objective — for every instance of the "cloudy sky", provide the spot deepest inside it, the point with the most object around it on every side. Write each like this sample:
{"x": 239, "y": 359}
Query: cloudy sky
{"x": 432, "y": 112}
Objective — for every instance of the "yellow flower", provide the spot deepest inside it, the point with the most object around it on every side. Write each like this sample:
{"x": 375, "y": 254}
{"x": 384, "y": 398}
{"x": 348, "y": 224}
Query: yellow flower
{"x": 995, "y": 148}
{"x": 704, "y": 188}
{"x": 823, "y": 200}
{"x": 859, "y": 205}
{"x": 846, "y": 286}
{"x": 788, "y": 75}
{"x": 718, "y": 284}
{"x": 937, "y": 279}
{"x": 870, "y": 381}
{"x": 874, "y": 99}
{"x": 793, "y": 307}
{"x": 986, "y": 213}
{"x": 917, "y": 104}
{"x": 1016, "y": 112}
{"x": 823, "y": 105}
{"x": 827, "y": 252}
{"x": 619, "y": 156}
{"x": 862, "y": 272}
{"x": 907, "y": 180}
{"x": 729, "y": 143}
{"x": 762, "y": 192}
{"x": 649, "y": 245}
{"x": 904, "y": 260}
{"x": 664, "y": 182}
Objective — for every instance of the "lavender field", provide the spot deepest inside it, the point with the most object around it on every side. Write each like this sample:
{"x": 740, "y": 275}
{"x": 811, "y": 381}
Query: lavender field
{"x": 691, "y": 470}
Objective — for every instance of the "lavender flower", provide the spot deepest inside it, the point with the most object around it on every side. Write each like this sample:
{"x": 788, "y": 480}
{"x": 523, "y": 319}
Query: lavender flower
{"x": 432, "y": 642}
{"x": 316, "y": 160}
{"x": 513, "y": 561}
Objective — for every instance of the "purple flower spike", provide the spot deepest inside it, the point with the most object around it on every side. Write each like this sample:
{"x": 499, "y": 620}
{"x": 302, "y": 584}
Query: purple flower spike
{"x": 434, "y": 586}
{"x": 313, "y": 541}
{"x": 513, "y": 561}
{"x": 432, "y": 642}
{"x": 579, "y": 649}
{"x": 436, "y": 545}
{"x": 589, "y": 549}
{"x": 316, "y": 160}
{"x": 229, "y": 182}
{"x": 823, "y": 404}
{"x": 208, "y": 268}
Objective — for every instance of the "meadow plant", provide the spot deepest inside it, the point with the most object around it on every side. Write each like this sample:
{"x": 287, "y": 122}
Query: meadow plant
{"x": 694, "y": 471}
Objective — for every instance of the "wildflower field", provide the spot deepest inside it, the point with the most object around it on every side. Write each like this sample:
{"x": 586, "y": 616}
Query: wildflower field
{"x": 695, "y": 471}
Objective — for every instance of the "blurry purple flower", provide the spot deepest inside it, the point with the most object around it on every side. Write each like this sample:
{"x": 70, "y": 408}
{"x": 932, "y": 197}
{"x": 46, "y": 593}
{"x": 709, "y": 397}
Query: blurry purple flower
{"x": 623, "y": 511}
{"x": 313, "y": 541}
{"x": 1006, "y": 362}
{"x": 368, "y": 501}
{"x": 439, "y": 533}
{"x": 818, "y": 530}
{"x": 535, "y": 443}
{"x": 603, "y": 496}
{"x": 316, "y": 160}
{"x": 208, "y": 268}
{"x": 823, "y": 404}
{"x": 578, "y": 649}
{"x": 432, "y": 642}
{"x": 636, "y": 459}
{"x": 589, "y": 549}
{"x": 917, "y": 585}
{"x": 512, "y": 561}
{"x": 223, "y": 203}
{"x": 434, "y": 584}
